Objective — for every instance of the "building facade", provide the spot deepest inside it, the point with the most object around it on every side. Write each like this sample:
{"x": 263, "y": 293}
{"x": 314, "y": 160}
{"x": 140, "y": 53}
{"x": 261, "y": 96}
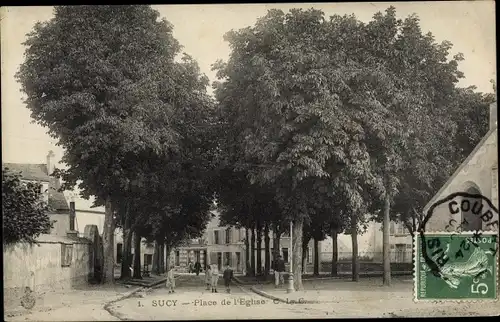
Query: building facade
{"x": 87, "y": 214}
{"x": 224, "y": 245}
{"x": 370, "y": 244}
{"x": 56, "y": 201}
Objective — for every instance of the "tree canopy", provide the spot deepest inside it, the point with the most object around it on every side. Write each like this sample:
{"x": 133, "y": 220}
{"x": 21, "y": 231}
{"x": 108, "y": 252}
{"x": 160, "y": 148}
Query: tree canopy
{"x": 135, "y": 124}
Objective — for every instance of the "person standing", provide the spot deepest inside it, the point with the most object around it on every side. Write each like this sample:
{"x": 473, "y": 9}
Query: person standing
{"x": 228, "y": 276}
{"x": 279, "y": 270}
{"x": 215, "y": 277}
{"x": 197, "y": 268}
{"x": 171, "y": 280}
{"x": 208, "y": 277}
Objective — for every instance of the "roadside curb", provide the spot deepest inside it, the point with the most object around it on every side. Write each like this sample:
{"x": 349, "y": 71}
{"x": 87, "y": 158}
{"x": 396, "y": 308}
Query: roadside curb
{"x": 340, "y": 276}
{"x": 278, "y": 299}
{"x": 344, "y": 275}
{"x": 107, "y": 306}
{"x": 239, "y": 281}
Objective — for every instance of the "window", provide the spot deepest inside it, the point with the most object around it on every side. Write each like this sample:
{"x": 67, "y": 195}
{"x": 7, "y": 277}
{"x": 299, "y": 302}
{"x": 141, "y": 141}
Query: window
{"x": 238, "y": 259}
{"x": 197, "y": 255}
{"x": 228, "y": 235}
{"x": 119, "y": 252}
{"x": 227, "y": 260}
{"x": 285, "y": 255}
{"x": 148, "y": 259}
{"x": 177, "y": 258}
{"x": 408, "y": 246}
{"x": 400, "y": 253}
{"x": 66, "y": 254}
{"x": 216, "y": 237}
{"x": 309, "y": 256}
{"x": 397, "y": 228}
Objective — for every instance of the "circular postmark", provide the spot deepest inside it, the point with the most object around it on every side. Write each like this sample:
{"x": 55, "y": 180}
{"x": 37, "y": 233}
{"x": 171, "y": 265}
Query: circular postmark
{"x": 459, "y": 256}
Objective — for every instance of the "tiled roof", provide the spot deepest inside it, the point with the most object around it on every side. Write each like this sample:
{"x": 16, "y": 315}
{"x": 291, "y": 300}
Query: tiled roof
{"x": 38, "y": 172}
{"x": 29, "y": 171}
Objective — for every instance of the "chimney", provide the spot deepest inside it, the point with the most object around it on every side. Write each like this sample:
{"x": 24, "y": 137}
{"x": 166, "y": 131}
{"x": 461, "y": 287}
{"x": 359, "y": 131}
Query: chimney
{"x": 72, "y": 214}
{"x": 50, "y": 162}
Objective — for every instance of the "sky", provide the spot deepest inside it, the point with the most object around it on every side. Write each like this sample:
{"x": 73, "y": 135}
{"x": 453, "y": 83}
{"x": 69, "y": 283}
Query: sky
{"x": 469, "y": 25}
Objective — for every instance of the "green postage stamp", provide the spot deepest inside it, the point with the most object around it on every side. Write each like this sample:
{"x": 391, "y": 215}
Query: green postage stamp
{"x": 456, "y": 266}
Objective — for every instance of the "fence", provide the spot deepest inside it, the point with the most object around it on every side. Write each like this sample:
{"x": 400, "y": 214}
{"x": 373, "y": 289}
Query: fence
{"x": 395, "y": 256}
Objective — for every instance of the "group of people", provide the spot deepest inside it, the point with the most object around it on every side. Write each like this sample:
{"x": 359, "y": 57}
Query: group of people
{"x": 212, "y": 275}
{"x": 211, "y": 278}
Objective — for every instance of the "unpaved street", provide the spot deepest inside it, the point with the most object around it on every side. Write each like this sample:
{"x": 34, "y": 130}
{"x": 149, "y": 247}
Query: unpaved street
{"x": 193, "y": 302}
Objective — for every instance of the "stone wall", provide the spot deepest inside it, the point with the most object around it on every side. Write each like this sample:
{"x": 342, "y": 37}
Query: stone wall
{"x": 40, "y": 266}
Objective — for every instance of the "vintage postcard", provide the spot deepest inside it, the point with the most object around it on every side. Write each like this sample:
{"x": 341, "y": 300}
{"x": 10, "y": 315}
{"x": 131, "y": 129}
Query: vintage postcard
{"x": 249, "y": 161}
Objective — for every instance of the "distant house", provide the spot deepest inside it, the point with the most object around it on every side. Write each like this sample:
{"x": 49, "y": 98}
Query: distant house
{"x": 224, "y": 245}
{"x": 370, "y": 244}
{"x": 58, "y": 205}
{"x": 87, "y": 214}
{"x": 61, "y": 259}
{"x": 478, "y": 174}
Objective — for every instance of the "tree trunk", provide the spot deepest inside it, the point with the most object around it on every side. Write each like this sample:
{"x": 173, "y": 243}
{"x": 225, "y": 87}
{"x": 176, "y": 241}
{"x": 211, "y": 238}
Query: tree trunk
{"x": 247, "y": 252}
{"x": 335, "y": 252}
{"x": 127, "y": 246}
{"x": 276, "y": 243}
{"x": 252, "y": 255}
{"x": 298, "y": 226}
{"x": 386, "y": 242}
{"x": 162, "y": 258}
{"x": 305, "y": 242}
{"x": 167, "y": 256}
{"x": 259, "y": 249}
{"x": 108, "y": 244}
{"x": 267, "y": 252}
{"x": 137, "y": 256}
{"x": 355, "y": 258}
{"x": 316, "y": 257}
{"x": 156, "y": 258}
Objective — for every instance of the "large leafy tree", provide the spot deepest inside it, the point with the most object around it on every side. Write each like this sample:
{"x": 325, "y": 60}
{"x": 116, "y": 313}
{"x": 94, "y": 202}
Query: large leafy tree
{"x": 400, "y": 80}
{"x": 92, "y": 76}
{"x": 23, "y": 209}
{"x": 172, "y": 191}
{"x": 281, "y": 91}
{"x": 344, "y": 101}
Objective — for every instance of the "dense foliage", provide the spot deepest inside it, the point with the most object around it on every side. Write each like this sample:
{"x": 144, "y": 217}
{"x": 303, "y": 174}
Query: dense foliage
{"x": 23, "y": 209}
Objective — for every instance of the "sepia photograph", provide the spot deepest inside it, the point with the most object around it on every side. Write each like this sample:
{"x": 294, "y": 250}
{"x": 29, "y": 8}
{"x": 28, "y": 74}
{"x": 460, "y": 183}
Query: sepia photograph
{"x": 249, "y": 161}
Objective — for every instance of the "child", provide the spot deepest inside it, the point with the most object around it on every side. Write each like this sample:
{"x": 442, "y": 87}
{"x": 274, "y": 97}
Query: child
{"x": 215, "y": 277}
{"x": 171, "y": 280}
{"x": 208, "y": 277}
{"x": 228, "y": 275}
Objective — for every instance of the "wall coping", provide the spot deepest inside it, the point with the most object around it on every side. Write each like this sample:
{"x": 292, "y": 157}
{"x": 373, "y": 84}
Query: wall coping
{"x": 55, "y": 239}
